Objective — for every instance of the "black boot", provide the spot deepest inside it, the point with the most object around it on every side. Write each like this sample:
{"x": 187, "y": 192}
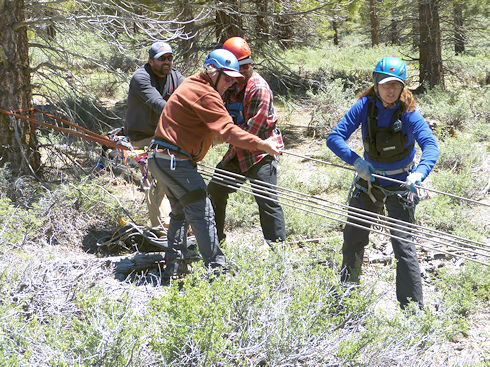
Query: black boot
{"x": 172, "y": 259}
{"x": 192, "y": 254}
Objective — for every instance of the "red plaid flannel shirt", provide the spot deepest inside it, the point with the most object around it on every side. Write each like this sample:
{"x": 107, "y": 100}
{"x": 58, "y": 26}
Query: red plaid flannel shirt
{"x": 259, "y": 119}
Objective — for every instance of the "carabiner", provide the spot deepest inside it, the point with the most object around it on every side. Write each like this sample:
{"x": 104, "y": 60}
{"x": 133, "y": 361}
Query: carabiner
{"x": 173, "y": 163}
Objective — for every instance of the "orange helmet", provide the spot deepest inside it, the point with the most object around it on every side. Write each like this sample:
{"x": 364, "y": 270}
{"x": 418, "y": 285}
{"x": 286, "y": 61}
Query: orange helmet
{"x": 238, "y": 46}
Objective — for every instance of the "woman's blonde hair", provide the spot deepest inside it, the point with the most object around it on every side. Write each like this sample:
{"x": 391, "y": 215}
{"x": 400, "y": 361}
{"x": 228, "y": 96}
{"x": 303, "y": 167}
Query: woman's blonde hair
{"x": 407, "y": 99}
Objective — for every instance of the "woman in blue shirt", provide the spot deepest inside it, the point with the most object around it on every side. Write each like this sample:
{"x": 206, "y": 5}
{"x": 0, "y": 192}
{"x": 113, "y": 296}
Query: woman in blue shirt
{"x": 390, "y": 126}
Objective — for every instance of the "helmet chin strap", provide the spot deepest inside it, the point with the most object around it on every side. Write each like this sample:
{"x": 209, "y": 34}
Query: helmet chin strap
{"x": 215, "y": 86}
{"x": 217, "y": 79}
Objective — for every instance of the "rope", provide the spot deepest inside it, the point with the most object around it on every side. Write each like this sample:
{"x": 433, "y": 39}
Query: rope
{"x": 389, "y": 179}
{"x": 87, "y": 134}
{"x": 297, "y": 194}
{"x": 368, "y": 218}
{"x": 294, "y": 196}
{"x": 257, "y": 189}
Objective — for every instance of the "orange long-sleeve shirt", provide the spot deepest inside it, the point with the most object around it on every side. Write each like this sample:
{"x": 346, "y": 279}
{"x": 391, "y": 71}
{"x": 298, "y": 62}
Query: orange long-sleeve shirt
{"x": 195, "y": 114}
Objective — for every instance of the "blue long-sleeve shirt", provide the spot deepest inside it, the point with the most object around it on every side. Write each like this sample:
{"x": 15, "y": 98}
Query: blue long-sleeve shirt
{"x": 413, "y": 125}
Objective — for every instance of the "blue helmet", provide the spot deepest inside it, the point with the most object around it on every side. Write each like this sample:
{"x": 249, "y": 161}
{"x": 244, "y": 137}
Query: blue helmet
{"x": 224, "y": 60}
{"x": 390, "y": 68}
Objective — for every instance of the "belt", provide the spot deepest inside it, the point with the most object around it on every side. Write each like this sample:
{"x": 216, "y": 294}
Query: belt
{"x": 407, "y": 168}
{"x": 160, "y": 143}
{"x": 160, "y": 153}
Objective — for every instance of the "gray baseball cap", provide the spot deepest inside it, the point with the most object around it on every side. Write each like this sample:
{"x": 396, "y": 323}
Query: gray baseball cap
{"x": 158, "y": 49}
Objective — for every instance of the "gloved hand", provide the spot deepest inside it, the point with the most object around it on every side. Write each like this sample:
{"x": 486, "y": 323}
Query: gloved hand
{"x": 364, "y": 169}
{"x": 414, "y": 178}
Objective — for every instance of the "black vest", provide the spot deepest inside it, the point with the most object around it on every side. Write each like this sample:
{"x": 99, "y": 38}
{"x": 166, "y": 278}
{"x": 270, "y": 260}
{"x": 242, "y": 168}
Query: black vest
{"x": 385, "y": 145}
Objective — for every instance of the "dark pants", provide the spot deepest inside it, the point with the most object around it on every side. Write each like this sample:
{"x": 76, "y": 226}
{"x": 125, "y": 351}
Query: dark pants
{"x": 270, "y": 211}
{"x": 408, "y": 279}
{"x": 185, "y": 189}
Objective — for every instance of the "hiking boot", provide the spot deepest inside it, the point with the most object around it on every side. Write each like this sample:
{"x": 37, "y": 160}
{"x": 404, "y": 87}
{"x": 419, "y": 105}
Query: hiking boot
{"x": 171, "y": 267}
{"x": 218, "y": 270}
{"x": 192, "y": 254}
{"x": 172, "y": 259}
{"x": 184, "y": 268}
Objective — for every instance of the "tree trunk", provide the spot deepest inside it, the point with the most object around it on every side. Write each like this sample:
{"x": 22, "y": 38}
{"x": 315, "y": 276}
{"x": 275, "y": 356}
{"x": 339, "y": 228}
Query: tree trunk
{"x": 374, "y": 23}
{"x": 284, "y": 24}
{"x": 15, "y": 91}
{"x": 430, "y": 72}
{"x": 458, "y": 28}
{"x": 395, "y": 29}
{"x": 335, "y": 28}
{"x": 415, "y": 34}
{"x": 50, "y": 28}
{"x": 189, "y": 55}
{"x": 262, "y": 27}
{"x": 228, "y": 22}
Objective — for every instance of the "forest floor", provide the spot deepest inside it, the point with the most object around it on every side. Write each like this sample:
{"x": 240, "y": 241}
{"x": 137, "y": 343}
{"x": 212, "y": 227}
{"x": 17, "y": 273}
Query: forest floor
{"x": 378, "y": 270}
{"x": 62, "y": 265}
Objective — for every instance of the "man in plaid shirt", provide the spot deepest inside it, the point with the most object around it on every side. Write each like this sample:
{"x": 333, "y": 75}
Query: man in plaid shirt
{"x": 251, "y": 105}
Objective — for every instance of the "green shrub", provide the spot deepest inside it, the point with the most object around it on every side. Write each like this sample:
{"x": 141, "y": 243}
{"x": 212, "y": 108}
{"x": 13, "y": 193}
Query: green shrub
{"x": 277, "y": 300}
{"x": 453, "y": 110}
{"x": 465, "y": 290}
{"x": 440, "y": 212}
{"x": 330, "y": 103}
{"x": 460, "y": 153}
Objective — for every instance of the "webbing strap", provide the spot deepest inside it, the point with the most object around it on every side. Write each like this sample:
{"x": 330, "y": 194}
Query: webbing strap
{"x": 86, "y": 134}
{"x": 161, "y": 143}
{"x": 385, "y": 191}
{"x": 370, "y": 193}
{"x": 407, "y": 168}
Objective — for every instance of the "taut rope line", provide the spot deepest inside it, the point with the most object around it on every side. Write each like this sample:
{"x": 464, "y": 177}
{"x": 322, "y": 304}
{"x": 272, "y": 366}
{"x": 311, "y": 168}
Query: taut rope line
{"x": 387, "y": 178}
{"x": 255, "y": 191}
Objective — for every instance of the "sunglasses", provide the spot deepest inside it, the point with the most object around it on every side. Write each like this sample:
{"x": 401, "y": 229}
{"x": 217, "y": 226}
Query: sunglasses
{"x": 164, "y": 58}
{"x": 394, "y": 86}
{"x": 229, "y": 79}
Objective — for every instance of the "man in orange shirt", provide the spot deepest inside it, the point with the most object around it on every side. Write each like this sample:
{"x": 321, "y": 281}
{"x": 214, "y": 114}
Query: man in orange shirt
{"x": 194, "y": 115}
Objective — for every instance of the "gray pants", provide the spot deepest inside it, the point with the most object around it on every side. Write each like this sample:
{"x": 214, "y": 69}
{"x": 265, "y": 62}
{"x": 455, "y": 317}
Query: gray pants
{"x": 186, "y": 191}
{"x": 408, "y": 279}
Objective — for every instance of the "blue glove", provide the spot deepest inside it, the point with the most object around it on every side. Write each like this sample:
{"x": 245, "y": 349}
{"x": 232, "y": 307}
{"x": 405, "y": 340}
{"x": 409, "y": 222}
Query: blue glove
{"x": 364, "y": 169}
{"x": 414, "y": 178}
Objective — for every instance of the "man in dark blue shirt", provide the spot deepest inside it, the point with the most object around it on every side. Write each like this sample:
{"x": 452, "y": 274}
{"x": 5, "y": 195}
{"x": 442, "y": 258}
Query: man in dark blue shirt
{"x": 149, "y": 89}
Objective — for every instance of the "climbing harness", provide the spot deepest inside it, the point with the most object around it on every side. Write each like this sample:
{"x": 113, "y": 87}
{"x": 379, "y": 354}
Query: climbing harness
{"x": 160, "y": 143}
